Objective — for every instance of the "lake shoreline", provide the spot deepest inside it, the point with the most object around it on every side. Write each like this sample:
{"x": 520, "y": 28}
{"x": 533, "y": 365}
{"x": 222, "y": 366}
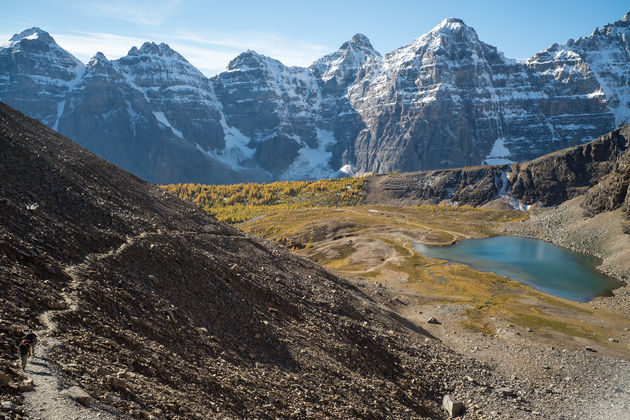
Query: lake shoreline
{"x": 600, "y": 236}
{"x": 541, "y": 265}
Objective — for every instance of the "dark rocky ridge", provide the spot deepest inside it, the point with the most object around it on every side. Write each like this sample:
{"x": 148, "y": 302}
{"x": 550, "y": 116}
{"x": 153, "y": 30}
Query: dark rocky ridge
{"x": 197, "y": 318}
{"x": 445, "y": 100}
{"x": 600, "y": 169}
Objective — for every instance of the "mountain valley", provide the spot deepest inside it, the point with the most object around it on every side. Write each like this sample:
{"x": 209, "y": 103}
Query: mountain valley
{"x": 255, "y": 244}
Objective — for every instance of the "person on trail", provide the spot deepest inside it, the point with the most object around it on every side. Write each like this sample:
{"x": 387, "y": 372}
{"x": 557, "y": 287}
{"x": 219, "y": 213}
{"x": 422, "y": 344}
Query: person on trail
{"x": 32, "y": 339}
{"x": 23, "y": 349}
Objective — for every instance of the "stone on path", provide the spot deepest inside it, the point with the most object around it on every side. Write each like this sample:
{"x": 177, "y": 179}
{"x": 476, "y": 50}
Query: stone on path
{"x": 79, "y": 395}
{"x": 26, "y": 385}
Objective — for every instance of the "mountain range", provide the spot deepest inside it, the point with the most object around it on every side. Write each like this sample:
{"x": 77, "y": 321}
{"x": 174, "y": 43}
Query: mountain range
{"x": 445, "y": 100}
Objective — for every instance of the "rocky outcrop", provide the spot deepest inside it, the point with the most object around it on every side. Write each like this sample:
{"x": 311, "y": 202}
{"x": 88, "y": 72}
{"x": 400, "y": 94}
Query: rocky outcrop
{"x": 445, "y": 100}
{"x": 600, "y": 169}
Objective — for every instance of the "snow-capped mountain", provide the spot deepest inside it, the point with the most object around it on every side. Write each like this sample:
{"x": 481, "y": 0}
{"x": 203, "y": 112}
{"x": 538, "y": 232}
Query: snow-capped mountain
{"x": 447, "y": 99}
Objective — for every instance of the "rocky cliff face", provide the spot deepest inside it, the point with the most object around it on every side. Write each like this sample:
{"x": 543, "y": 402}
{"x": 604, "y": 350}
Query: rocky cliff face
{"x": 600, "y": 169}
{"x": 445, "y": 100}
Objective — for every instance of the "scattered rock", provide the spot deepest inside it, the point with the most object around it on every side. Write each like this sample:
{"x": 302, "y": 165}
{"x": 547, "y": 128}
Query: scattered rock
{"x": 115, "y": 399}
{"x": 588, "y": 348}
{"x": 8, "y": 405}
{"x": 4, "y": 379}
{"x": 100, "y": 371}
{"x": 506, "y": 392}
{"x": 57, "y": 304}
{"x": 432, "y": 320}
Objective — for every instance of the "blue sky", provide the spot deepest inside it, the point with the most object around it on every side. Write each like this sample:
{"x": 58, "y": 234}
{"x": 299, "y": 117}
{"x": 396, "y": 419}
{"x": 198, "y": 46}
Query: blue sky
{"x": 210, "y": 33}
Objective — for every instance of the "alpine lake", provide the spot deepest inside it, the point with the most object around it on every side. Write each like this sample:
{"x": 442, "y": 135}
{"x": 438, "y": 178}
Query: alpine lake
{"x": 541, "y": 265}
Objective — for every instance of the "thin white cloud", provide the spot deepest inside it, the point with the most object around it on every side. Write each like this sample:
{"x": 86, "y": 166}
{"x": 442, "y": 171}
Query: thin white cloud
{"x": 210, "y": 54}
{"x": 85, "y": 45}
{"x": 144, "y": 12}
{"x": 289, "y": 51}
{"x": 208, "y": 61}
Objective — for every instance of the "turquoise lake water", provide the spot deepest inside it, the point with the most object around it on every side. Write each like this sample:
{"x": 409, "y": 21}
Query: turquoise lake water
{"x": 538, "y": 264}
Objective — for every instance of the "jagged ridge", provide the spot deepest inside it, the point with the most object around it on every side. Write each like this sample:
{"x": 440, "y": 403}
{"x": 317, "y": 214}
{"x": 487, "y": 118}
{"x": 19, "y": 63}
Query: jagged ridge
{"x": 445, "y": 100}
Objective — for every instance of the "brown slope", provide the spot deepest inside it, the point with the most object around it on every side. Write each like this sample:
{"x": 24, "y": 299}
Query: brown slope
{"x": 203, "y": 318}
{"x": 547, "y": 181}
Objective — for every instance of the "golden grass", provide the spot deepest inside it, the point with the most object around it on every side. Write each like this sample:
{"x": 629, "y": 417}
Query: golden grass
{"x": 391, "y": 231}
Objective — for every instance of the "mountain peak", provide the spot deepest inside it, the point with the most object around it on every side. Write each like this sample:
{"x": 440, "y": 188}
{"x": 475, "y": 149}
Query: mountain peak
{"x": 248, "y": 59}
{"x": 450, "y": 25}
{"x": 452, "y": 29}
{"x": 159, "y": 50}
{"x": 32, "y": 34}
{"x": 360, "y": 41}
{"x": 99, "y": 58}
{"x": 626, "y": 17}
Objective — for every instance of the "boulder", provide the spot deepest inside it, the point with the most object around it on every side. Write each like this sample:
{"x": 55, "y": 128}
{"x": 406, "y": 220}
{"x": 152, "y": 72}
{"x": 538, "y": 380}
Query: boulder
{"x": 115, "y": 382}
{"x": 79, "y": 395}
{"x": 453, "y": 408}
{"x": 432, "y": 320}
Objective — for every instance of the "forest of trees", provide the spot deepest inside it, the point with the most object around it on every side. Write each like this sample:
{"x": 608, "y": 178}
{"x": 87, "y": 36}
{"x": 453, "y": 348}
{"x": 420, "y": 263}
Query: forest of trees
{"x": 240, "y": 202}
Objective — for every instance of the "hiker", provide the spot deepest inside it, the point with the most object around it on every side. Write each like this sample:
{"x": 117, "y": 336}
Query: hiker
{"x": 32, "y": 339}
{"x": 23, "y": 349}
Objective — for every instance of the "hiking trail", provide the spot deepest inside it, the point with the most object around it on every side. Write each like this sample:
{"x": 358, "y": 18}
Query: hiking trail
{"x": 47, "y": 401}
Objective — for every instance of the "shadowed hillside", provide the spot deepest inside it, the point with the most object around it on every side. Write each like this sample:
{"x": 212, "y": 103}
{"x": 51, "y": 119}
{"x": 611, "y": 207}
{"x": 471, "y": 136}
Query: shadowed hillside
{"x": 161, "y": 309}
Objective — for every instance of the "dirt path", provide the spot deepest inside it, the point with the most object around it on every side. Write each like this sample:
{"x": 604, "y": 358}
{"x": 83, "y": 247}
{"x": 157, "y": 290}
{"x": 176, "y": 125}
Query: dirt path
{"x": 455, "y": 235}
{"x": 48, "y": 401}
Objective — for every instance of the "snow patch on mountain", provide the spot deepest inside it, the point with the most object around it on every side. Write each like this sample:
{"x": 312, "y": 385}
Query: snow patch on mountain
{"x": 162, "y": 119}
{"x": 236, "y": 150}
{"x": 313, "y": 163}
{"x": 499, "y": 155}
{"x": 348, "y": 170}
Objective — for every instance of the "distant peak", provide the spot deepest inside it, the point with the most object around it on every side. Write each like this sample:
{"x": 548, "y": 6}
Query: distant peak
{"x": 248, "y": 59}
{"x": 450, "y": 24}
{"x": 32, "y": 34}
{"x": 151, "y": 48}
{"x": 99, "y": 57}
{"x": 626, "y": 17}
{"x": 451, "y": 28}
{"x": 361, "y": 40}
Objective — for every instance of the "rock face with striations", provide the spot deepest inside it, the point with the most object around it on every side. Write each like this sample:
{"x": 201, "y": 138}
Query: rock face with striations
{"x": 445, "y": 100}
{"x": 600, "y": 169}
